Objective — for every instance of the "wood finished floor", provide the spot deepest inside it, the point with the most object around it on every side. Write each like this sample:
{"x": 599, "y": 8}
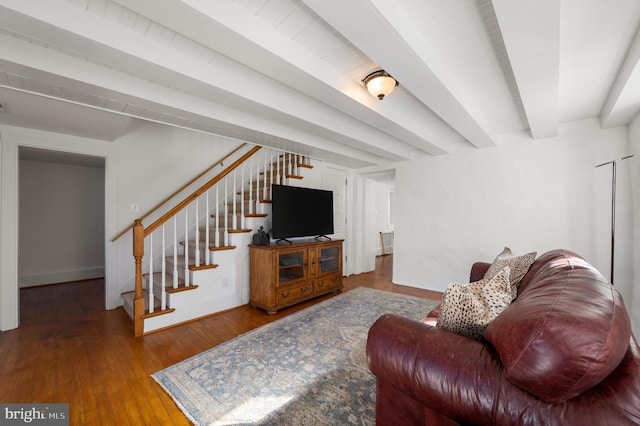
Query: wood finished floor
{"x": 68, "y": 349}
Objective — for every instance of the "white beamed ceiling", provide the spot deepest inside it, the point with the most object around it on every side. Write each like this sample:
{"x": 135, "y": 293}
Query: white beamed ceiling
{"x": 287, "y": 73}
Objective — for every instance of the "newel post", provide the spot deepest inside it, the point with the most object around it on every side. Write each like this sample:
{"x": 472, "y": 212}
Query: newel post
{"x": 138, "y": 301}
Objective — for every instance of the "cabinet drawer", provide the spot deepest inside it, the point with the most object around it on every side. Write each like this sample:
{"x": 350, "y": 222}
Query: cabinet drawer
{"x": 327, "y": 284}
{"x": 285, "y": 295}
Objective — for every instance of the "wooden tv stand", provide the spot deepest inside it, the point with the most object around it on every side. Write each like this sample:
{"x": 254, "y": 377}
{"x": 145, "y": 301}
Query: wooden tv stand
{"x": 284, "y": 274}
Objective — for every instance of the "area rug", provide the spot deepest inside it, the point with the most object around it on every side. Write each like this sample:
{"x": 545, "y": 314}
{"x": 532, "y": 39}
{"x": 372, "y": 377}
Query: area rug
{"x": 308, "y": 368}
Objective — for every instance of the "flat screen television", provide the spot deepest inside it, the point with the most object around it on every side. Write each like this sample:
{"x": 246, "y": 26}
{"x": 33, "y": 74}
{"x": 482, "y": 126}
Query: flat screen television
{"x": 300, "y": 212}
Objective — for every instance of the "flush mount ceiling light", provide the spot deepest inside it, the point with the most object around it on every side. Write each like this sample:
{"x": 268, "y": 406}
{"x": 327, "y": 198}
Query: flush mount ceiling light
{"x": 380, "y": 84}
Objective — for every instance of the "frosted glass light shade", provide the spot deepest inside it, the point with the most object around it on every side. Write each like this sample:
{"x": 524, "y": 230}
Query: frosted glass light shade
{"x": 380, "y": 84}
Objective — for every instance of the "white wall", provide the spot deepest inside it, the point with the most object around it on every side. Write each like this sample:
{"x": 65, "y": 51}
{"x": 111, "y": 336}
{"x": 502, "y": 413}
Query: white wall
{"x": 382, "y": 224}
{"x": 155, "y": 160}
{"x": 61, "y": 235}
{"x": 528, "y": 195}
{"x": 633, "y": 303}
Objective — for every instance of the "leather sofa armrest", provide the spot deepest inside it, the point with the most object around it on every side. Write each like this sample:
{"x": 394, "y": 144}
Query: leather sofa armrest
{"x": 478, "y": 270}
{"x": 451, "y": 374}
{"x": 463, "y": 380}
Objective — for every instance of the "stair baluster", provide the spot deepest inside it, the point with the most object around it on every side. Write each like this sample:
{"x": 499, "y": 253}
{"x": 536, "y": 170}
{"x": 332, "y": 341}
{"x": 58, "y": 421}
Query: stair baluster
{"x": 270, "y": 171}
{"x": 150, "y": 279}
{"x": 163, "y": 279}
{"x": 197, "y": 234}
{"x": 234, "y": 219}
{"x": 242, "y": 218}
{"x": 277, "y": 168}
{"x": 186, "y": 246}
{"x": 295, "y": 164}
{"x": 264, "y": 177}
{"x": 216, "y": 236}
{"x": 207, "y": 256}
{"x": 251, "y": 206}
{"x": 226, "y": 213}
{"x": 175, "y": 251}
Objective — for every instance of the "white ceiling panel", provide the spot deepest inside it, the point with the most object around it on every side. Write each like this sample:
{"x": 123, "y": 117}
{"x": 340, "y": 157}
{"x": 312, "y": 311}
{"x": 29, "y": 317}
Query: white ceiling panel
{"x": 595, "y": 37}
{"x": 287, "y": 73}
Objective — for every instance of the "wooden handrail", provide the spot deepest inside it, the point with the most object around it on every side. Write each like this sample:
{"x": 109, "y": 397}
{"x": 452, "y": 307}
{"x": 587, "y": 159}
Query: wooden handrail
{"x": 168, "y": 215}
{"x": 182, "y": 188}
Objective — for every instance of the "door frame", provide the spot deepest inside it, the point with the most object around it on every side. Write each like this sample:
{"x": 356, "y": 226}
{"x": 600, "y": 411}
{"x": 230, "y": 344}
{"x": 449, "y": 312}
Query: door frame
{"x": 11, "y": 139}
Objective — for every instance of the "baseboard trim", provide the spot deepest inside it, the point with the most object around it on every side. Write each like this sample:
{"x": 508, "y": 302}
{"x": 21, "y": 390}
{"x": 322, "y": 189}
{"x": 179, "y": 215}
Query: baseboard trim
{"x": 60, "y": 276}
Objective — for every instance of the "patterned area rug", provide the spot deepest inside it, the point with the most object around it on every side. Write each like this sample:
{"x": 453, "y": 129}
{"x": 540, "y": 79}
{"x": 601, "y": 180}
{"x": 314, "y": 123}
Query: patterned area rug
{"x": 308, "y": 368}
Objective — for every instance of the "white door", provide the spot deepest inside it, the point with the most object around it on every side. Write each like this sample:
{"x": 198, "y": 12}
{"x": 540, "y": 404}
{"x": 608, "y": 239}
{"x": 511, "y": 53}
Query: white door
{"x": 336, "y": 180}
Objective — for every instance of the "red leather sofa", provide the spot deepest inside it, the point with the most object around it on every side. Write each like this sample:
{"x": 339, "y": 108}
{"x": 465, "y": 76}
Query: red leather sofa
{"x": 562, "y": 353}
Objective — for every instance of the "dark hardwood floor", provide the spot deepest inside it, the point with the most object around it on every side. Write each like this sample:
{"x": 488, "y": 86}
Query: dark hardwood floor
{"x": 68, "y": 349}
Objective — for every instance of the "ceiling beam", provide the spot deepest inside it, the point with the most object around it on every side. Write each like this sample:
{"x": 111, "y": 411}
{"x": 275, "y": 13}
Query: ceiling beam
{"x": 228, "y": 29}
{"x": 531, "y": 34}
{"x": 83, "y": 32}
{"x": 393, "y": 40}
{"x": 28, "y": 61}
{"x": 623, "y": 101}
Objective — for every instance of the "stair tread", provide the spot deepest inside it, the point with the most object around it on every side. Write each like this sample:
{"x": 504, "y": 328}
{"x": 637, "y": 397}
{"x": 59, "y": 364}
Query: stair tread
{"x": 222, "y": 248}
{"x": 156, "y": 313}
{"x": 212, "y": 247}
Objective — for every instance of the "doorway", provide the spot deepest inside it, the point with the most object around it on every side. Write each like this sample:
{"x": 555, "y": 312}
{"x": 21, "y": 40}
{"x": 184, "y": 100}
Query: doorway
{"x": 335, "y": 180}
{"x": 61, "y": 235}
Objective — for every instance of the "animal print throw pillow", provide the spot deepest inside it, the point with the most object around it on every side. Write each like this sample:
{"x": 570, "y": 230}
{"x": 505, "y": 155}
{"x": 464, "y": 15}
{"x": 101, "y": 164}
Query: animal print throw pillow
{"x": 519, "y": 266}
{"x": 467, "y": 309}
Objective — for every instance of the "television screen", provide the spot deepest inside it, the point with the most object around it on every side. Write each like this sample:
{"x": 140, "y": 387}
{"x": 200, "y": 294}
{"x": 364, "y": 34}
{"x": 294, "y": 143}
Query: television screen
{"x": 300, "y": 212}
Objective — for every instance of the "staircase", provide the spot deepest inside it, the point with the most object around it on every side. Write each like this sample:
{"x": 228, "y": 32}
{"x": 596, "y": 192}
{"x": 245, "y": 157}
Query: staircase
{"x": 192, "y": 262}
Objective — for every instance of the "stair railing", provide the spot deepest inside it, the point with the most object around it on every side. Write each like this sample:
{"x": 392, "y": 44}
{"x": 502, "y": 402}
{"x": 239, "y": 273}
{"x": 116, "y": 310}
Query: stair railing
{"x": 272, "y": 166}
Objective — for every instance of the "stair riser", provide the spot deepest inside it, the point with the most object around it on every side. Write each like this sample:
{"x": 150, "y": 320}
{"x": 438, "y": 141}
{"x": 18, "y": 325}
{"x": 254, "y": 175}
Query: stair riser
{"x": 180, "y": 270}
{"x": 221, "y": 221}
{"x": 253, "y": 204}
{"x": 256, "y": 193}
{"x": 203, "y": 244}
{"x": 157, "y": 292}
{"x": 202, "y": 236}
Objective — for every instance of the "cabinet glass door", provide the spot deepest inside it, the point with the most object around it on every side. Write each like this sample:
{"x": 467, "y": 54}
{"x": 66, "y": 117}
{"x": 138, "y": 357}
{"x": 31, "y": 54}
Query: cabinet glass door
{"x": 329, "y": 259}
{"x": 291, "y": 266}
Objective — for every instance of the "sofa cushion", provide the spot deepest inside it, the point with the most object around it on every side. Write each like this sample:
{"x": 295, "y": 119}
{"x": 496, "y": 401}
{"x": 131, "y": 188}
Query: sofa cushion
{"x": 467, "y": 309}
{"x": 566, "y": 332}
{"x": 519, "y": 266}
